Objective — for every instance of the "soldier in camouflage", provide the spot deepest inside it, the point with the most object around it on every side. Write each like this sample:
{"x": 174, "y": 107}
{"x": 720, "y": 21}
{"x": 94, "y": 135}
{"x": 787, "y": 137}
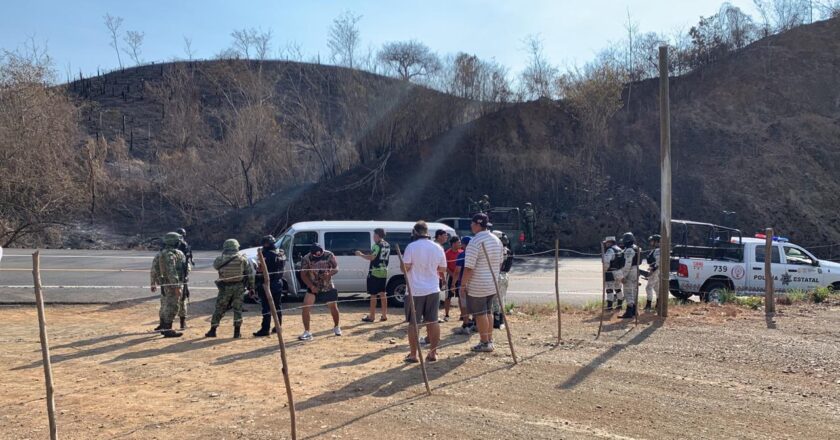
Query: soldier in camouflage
{"x": 235, "y": 275}
{"x": 168, "y": 272}
{"x": 484, "y": 204}
{"x": 529, "y": 220}
{"x": 184, "y": 247}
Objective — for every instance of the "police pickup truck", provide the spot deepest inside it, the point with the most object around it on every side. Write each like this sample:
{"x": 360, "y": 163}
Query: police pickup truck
{"x": 727, "y": 261}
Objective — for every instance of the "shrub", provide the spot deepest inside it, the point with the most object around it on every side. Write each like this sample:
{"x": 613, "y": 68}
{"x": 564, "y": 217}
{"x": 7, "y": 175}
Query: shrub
{"x": 509, "y": 307}
{"x": 793, "y": 297}
{"x": 592, "y": 306}
{"x": 727, "y": 296}
{"x": 753, "y": 302}
{"x": 820, "y": 294}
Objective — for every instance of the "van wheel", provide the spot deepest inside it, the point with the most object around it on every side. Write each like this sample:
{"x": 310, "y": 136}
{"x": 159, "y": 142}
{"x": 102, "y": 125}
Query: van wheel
{"x": 396, "y": 291}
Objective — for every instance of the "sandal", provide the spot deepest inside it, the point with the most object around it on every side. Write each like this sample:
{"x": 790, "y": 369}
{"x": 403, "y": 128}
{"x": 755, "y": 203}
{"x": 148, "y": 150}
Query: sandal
{"x": 383, "y": 319}
{"x": 367, "y": 319}
{"x": 410, "y": 360}
{"x": 430, "y": 358}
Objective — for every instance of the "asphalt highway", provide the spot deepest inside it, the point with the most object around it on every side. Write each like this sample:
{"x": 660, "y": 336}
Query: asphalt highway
{"x": 85, "y": 276}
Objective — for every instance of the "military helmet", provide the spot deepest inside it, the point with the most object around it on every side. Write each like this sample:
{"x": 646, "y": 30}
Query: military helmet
{"x": 182, "y": 232}
{"x": 655, "y": 237}
{"x": 528, "y": 204}
{"x": 268, "y": 239}
{"x": 485, "y": 197}
{"x": 628, "y": 238}
{"x": 231, "y": 244}
{"x": 171, "y": 239}
{"x": 610, "y": 238}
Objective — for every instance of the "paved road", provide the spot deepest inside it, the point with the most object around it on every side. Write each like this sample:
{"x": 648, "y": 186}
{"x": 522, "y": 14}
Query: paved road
{"x": 95, "y": 276}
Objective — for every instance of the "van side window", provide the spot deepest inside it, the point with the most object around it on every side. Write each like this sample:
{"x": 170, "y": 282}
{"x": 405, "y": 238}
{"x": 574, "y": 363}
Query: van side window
{"x": 759, "y": 254}
{"x": 398, "y": 238}
{"x": 347, "y": 243}
{"x": 302, "y": 242}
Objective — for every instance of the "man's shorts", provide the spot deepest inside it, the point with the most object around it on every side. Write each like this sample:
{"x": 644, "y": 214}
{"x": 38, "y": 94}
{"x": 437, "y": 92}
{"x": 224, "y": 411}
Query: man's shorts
{"x": 480, "y": 305}
{"x": 452, "y": 291}
{"x": 426, "y": 308}
{"x": 325, "y": 296}
{"x": 376, "y": 285}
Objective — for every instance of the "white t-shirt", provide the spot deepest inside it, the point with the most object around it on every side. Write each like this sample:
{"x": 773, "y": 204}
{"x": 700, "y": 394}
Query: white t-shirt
{"x": 425, "y": 257}
{"x": 482, "y": 282}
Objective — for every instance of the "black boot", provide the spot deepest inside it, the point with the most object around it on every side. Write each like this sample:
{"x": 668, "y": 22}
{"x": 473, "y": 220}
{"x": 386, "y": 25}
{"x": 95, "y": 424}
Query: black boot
{"x": 609, "y": 306}
{"x": 236, "y": 332}
{"x": 159, "y": 327}
{"x": 183, "y": 322}
{"x": 630, "y": 312}
{"x": 618, "y": 304}
{"x": 648, "y": 306}
{"x": 212, "y": 332}
{"x": 266, "y": 321}
{"x": 169, "y": 333}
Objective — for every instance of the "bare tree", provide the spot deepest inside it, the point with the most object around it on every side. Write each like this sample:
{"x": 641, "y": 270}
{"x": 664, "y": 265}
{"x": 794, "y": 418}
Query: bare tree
{"x": 134, "y": 41}
{"x": 783, "y": 15}
{"x": 539, "y": 76}
{"x": 409, "y": 59}
{"x": 188, "y": 50}
{"x": 738, "y": 28}
{"x": 262, "y": 44}
{"x": 344, "y": 39}
{"x": 291, "y": 52}
{"x": 243, "y": 41}
{"x": 828, "y": 8}
{"x": 113, "y": 24}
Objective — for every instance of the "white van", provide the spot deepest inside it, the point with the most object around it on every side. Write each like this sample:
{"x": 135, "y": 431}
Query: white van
{"x": 344, "y": 238}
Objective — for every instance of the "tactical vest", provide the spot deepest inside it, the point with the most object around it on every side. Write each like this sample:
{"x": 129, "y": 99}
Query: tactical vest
{"x": 637, "y": 259}
{"x": 651, "y": 258}
{"x": 617, "y": 262}
{"x": 232, "y": 271}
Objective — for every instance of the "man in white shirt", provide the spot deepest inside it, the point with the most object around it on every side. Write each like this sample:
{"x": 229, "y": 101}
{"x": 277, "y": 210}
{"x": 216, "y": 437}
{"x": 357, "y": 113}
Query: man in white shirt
{"x": 425, "y": 266}
{"x": 480, "y": 278}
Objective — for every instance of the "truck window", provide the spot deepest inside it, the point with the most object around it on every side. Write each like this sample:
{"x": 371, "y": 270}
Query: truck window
{"x": 347, "y": 243}
{"x": 796, "y": 256}
{"x": 302, "y": 242}
{"x": 759, "y": 254}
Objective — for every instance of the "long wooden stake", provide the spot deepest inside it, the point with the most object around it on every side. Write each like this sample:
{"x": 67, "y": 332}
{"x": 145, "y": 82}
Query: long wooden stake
{"x": 285, "y": 366}
{"x": 557, "y": 289}
{"x": 603, "y": 291}
{"x": 665, "y": 168}
{"x": 413, "y": 322}
{"x": 769, "y": 302}
{"x": 45, "y": 343}
{"x": 501, "y": 304}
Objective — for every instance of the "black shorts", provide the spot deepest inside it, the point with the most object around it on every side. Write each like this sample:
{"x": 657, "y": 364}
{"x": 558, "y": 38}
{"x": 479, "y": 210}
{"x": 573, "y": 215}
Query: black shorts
{"x": 376, "y": 285}
{"x": 452, "y": 291}
{"x": 325, "y": 296}
{"x": 426, "y": 308}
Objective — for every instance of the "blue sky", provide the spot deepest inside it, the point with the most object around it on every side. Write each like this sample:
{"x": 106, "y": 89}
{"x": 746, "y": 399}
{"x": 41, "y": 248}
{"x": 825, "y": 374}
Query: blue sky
{"x": 573, "y": 31}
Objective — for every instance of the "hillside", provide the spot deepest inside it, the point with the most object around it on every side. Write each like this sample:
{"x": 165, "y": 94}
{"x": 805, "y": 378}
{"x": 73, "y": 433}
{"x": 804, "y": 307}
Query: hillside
{"x": 757, "y": 133}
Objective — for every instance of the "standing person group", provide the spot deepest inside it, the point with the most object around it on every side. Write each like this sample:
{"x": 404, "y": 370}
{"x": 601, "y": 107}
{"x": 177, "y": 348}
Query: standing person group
{"x": 621, "y": 273}
{"x": 169, "y": 272}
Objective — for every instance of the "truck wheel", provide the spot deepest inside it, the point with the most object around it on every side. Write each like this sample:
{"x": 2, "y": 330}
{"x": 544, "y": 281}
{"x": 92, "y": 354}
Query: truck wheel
{"x": 679, "y": 294}
{"x": 396, "y": 291}
{"x": 713, "y": 291}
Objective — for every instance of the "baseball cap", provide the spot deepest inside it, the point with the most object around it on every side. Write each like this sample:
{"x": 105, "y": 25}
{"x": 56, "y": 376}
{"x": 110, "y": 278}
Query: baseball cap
{"x": 482, "y": 220}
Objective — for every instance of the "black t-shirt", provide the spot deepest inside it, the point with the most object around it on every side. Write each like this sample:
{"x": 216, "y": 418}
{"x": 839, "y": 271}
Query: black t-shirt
{"x": 274, "y": 262}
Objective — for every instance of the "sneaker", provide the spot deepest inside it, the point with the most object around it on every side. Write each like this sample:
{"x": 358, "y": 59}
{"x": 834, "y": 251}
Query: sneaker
{"x": 463, "y": 331}
{"x": 424, "y": 341}
{"x": 337, "y": 330}
{"x": 306, "y": 336}
{"x": 483, "y": 347}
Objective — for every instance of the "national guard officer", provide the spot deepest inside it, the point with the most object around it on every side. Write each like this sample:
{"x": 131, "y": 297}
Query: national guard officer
{"x": 168, "y": 272}
{"x": 275, "y": 261}
{"x": 235, "y": 275}
{"x": 529, "y": 219}
{"x": 653, "y": 271}
{"x": 484, "y": 204}
{"x": 613, "y": 263}
{"x": 186, "y": 249}
{"x": 630, "y": 273}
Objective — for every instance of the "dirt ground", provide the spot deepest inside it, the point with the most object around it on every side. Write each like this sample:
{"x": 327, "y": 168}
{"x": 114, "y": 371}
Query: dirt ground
{"x": 707, "y": 372}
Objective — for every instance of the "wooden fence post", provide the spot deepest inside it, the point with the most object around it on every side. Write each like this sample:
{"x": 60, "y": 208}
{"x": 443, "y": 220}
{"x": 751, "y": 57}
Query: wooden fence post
{"x": 45, "y": 344}
{"x": 769, "y": 302}
{"x": 501, "y": 304}
{"x": 413, "y": 322}
{"x": 557, "y": 289}
{"x": 285, "y": 366}
{"x": 665, "y": 181}
{"x": 603, "y": 290}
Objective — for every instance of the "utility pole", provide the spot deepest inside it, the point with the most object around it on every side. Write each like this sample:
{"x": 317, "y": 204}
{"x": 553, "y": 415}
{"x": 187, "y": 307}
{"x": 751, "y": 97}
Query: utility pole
{"x": 769, "y": 301}
{"x": 665, "y": 168}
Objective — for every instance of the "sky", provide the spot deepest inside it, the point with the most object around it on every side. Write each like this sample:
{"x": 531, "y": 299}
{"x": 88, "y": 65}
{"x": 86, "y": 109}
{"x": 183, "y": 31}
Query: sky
{"x": 572, "y": 31}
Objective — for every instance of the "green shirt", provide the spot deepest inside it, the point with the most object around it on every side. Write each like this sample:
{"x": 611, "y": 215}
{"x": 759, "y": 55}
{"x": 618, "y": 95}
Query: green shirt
{"x": 379, "y": 265}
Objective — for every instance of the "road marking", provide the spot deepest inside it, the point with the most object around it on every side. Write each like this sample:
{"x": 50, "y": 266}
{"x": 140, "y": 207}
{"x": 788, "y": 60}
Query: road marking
{"x": 94, "y": 270}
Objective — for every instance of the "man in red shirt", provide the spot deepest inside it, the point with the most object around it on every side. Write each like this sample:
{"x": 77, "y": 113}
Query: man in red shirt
{"x": 452, "y": 270}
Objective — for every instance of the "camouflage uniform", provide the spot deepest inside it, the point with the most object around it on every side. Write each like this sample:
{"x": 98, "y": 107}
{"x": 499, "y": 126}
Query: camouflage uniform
{"x": 184, "y": 247}
{"x": 529, "y": 218}
{"x": 484, "y": 204}
{"x": 168, "y": 272}
{"x": 235, "y": 275}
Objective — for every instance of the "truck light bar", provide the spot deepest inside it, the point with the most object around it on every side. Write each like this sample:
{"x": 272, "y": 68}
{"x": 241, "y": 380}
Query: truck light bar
{"x": 775, "y": 238}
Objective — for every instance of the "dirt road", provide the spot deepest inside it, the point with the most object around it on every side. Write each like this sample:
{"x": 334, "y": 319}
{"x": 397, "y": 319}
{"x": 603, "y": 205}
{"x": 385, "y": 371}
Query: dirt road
{"x": 708, "y": 372}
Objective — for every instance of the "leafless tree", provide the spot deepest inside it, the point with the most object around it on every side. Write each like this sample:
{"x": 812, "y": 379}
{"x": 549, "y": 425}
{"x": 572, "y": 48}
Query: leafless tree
{"x": 783, "y": 15}
{"x": 113, "y": 24}
{"x": 262, "y": 44}
{"x": 738, "y": 28}
{"x": 243, "y": 41}
{"x": 292, "y": 51}
{"x": 39, "y": 138}
{"x": 344, "y": 39}
{"x": 828, "y": 8}
{"x": 409, "y": 59}
{"x": 188, "y": 49}
{"x": 134, "y": 41}
{"x": 539, "y": 76}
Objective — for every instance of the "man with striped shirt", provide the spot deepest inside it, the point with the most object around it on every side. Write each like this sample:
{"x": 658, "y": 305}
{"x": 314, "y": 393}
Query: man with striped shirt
{"x": 479, "y": 279}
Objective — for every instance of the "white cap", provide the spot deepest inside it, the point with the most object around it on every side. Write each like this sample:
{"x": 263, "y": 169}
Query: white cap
{"x": 610, "y": 238}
